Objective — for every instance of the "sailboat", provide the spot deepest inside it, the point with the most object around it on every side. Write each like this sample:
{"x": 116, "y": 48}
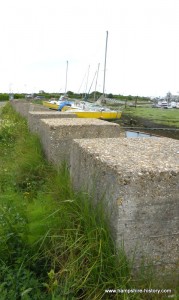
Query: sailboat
{"x": 84, "y": 109}
{"x": 54, "y": 104}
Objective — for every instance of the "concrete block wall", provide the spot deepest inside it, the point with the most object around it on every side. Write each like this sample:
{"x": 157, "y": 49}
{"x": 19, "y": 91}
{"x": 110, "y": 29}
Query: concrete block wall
{"x": 21, "y": 106}
{"x": 138, "y": 182}
{"x": 38, "y": 107}
{"x": 136, "y": 179}
{"x": 34, "y": 118}
{"x": 57, "y": 135}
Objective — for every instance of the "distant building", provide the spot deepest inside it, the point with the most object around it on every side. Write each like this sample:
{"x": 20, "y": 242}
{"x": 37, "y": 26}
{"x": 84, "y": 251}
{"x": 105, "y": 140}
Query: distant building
{"x": 29, "y": 96}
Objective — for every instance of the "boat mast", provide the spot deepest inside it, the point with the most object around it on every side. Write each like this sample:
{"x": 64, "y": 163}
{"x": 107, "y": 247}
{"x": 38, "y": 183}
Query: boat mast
{"x": 105, "y": 65}
{"x": 96, "y": 82}
{"x": 87, "y": 82}
{"x": 66, "y": 77}
{"x": 91, "y": 84}
{"x": 81, "y": 83}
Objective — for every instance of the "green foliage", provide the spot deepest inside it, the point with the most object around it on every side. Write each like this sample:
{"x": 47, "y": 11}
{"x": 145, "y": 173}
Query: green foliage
{"x": 20, "y": 283}
{"x": 169, "y": 117}
{"x": 110, "y": 96}
{"x": 91, "y": 95}
{"x": 132, "y": 98}
{"x": 70, "y": 94}
{"x": 4, "y": 97}
{"x": 12, "y": 227}
{"x": 19, "y": 96}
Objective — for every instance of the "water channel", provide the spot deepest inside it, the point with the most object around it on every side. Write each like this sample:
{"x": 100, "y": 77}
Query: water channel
{"x": 138, "y": 134}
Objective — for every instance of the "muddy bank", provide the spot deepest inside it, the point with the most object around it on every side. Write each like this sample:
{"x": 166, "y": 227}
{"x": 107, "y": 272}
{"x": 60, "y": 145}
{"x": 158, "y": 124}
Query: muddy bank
{"x": 142, "y": 124}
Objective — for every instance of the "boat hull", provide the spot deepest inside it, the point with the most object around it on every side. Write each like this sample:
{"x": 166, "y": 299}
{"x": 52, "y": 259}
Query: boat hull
{"x": 50, "y": 105}
{"x": 104, "y": 115}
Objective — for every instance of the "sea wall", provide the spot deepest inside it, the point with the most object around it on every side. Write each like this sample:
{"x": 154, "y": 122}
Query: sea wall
{"x": 137, "y": 180}
{"x": 57, "y": 135}
{"x": 34, "y": 118}
{"x": 23, "y": 107}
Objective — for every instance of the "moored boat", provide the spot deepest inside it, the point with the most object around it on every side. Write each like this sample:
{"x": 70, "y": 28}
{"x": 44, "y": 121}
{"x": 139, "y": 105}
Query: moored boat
{"x": 51, "y": 104}
{"x": 83, "y": 109}
{"x": 54, "y": 104}
{"x": 104, "y": 115}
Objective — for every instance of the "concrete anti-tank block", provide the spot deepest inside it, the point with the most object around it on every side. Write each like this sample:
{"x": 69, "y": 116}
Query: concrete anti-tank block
{"x": 35, "y": 116}
{"x": 38, "y": 107}
{"x": 138, "y": 182}
{"x": 57, "y": 135}
{"x": 21, "y": 106}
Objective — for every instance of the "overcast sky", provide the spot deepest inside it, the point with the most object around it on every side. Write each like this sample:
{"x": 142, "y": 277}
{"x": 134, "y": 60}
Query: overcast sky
{"x": 38, "y": 37}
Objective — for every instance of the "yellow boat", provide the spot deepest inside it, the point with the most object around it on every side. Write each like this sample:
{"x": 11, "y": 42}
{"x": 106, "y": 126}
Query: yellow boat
{"x": 104, "y": 115}
{"x": 54, "y": 104}
{"x": 88, "y": 112}
{"x": 51, "y": 105}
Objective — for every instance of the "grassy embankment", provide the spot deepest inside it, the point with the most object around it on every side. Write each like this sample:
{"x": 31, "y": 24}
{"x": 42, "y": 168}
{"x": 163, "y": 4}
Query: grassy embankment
{"x": 53, "y": 244}
{"x": 167, "y": 117}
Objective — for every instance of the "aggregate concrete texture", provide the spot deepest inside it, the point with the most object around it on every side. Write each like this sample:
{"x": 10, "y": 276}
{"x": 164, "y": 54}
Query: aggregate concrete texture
{"x": 35, "y": 116}
{"x": 57, "y": 135}
{"x": 137, "y": 181}
{"x": 21, "y": 106}
{"x": 39, "y": 107}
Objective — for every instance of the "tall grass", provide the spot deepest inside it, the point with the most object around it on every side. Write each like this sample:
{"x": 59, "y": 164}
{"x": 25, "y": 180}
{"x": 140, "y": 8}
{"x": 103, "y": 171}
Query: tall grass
{"x": 168, "y": 117}
{"x": 54, "y": 244}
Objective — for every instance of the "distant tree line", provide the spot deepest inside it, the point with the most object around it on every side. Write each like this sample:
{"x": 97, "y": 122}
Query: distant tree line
{"x": 5, "y": 96}
{"x": 70, "y": 94}
{"x": 111, "y": 96}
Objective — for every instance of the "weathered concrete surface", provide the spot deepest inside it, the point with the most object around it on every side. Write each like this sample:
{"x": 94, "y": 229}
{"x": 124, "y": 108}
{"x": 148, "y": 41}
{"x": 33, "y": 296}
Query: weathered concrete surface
{"x": 21, "y": 106}
{"x": 57, "y": 134}
{"x": 35, "y": 116}
{"x": 38, "y": 107}
{"x": 138, "y": 182}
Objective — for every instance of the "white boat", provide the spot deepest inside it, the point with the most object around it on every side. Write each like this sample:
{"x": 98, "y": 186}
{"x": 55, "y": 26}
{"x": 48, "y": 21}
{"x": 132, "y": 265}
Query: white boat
{"x": 164, "y": 104}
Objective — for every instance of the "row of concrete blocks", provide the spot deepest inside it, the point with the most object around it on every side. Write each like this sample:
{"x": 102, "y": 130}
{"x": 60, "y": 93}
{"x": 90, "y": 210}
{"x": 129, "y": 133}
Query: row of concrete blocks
{"x": 137, "y": 179}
